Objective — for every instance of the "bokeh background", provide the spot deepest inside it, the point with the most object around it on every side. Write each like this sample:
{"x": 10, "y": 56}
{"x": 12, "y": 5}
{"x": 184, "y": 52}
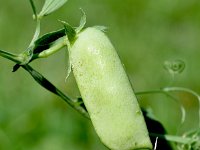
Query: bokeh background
{"x": 145, "y": 33}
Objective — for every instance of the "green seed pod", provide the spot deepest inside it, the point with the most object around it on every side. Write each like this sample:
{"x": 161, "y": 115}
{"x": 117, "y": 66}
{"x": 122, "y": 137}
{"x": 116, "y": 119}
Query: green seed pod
{"x": 107, "y": 92}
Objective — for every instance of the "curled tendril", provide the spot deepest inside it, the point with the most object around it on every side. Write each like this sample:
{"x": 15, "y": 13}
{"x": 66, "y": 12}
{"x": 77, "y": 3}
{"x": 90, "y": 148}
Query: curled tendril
{"x": 174, "y": 66}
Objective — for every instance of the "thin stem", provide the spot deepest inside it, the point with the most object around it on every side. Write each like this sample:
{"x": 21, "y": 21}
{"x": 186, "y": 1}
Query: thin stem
{"x": 59, "y": 44}
{"x": 37, "y": 32}
{"x": 33, "y": 8}
{"x": 45, "y": 83}
{"x": 10, "y": 56}
{"x": 150, "y": 92}
{"x": 49, "y": 86}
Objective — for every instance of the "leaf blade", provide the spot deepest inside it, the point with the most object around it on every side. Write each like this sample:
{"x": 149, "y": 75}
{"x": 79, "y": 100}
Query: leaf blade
{"x": 51, "y": 6}
{"x": 47, "y": 40}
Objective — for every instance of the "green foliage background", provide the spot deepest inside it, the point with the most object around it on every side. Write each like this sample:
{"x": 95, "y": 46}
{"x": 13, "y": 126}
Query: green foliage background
{"x": 145, "y": 34}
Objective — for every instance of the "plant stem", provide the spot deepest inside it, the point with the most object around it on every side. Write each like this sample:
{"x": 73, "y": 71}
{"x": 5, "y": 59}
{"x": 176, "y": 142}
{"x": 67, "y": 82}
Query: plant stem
{"x": 45, "y": 83}
{"x": 37, "y": 32}
{"x": 150, "y": 92}
{"x": 59, "y": 44}
{"x": 10, "y": 56}
{"x": 49, "y": 86}
{"x": 33, "y": 8}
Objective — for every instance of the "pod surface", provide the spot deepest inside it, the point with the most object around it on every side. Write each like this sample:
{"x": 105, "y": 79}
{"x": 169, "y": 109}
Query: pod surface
{"x": 107, "y": 92}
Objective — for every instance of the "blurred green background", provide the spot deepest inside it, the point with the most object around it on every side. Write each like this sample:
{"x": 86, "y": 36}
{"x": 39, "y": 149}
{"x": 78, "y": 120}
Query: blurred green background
{"x": 145, "y": 33}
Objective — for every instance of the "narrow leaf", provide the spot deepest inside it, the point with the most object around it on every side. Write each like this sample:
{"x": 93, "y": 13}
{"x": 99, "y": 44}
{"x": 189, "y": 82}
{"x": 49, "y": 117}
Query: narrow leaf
{"x": 50, "y": 37}
{"x": 51, "y": 6}
{"x": 47, "y": 40}
{"x": 69, "y": 31}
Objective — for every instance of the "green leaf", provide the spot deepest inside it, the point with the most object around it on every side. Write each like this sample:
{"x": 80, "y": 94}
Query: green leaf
{"x": 47, "y": 40}
{"x": 51, "y": 6}
{"x": 69, "y": 31}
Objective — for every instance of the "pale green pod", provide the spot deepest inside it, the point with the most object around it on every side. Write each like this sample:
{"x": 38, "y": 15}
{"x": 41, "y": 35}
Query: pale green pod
{"x": 107, "y": 92}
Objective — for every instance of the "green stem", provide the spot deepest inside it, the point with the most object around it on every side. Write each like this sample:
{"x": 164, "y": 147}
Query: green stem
{"x": 45, "y": 83}
{"x": 37, "y": 33}
{"x": 33, "y": 8}
{"x": 10, "y": 56}
{"x": 150, "y": 92}
{"x": 49, "y": 86}
{"x": 59, "y": 44}
{"x": 37, "y": 30}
